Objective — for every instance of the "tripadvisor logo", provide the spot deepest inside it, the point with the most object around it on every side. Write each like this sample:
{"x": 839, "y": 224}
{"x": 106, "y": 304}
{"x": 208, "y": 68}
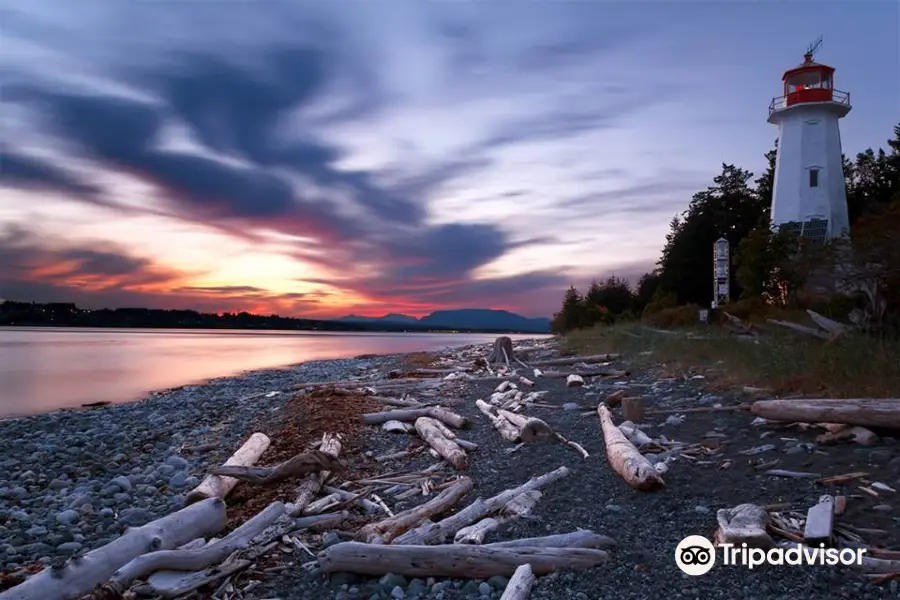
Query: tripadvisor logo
{"x": 696, "y": 555}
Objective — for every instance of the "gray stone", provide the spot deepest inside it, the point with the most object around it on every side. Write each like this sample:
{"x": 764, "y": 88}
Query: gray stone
{"x": 178, "y": 462}
{"x": 485, "y": 589}
{"x": 70, "y": 547}
{"x": 391, "y": 580}
{"x": 123, "y": 482}
{"x": 498, "y": 582}
{"x": 67, "y": 517}
{"x": 398, "y": 593}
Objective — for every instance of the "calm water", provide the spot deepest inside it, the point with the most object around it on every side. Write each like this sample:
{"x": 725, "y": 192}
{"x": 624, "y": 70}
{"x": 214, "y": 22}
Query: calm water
{"x": 43, "y": 369}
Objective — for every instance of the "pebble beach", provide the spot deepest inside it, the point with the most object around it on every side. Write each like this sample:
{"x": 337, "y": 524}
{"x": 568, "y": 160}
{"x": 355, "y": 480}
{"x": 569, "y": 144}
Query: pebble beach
{"x": 74, "y": 480}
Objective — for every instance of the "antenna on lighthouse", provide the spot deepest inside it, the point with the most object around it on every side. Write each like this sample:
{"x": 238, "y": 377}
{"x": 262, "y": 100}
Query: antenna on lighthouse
{"x": 813, "y": 48}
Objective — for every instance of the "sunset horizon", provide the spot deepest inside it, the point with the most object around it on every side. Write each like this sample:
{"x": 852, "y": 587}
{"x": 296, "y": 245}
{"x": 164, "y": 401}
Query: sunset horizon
{"x": 317, "y": 161}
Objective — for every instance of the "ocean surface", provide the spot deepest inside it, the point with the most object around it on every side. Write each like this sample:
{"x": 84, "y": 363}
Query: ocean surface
{"x": 43, "y": 369}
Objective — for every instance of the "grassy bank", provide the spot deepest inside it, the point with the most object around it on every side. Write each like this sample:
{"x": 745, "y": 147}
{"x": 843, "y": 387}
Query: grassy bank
{"x": 781, "y": 361}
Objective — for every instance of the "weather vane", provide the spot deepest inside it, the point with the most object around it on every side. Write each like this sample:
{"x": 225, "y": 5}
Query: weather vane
{"x": 813, "y": 48}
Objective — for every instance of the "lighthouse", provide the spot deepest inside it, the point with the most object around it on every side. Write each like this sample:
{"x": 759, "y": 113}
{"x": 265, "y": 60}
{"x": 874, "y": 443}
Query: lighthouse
{"x": 809, "y": 195}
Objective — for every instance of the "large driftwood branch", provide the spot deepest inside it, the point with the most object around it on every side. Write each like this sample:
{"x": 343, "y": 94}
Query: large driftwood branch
{"x": 625, "y": 458}
{"x": 533, "y": 429}
{"x": 801, "y": 328}
{"x": 519, "y": 585}
{"x": 302, "y": 464}
{"x": 576, "y": 539}
{"x": 574, "y": 360}
{"x": 435, "y": 533}
{"x": 306, "y": 491}
{"x": 455, "y": 560}
{"x": 80, "y": 576}
{"x": 383, "y": 532}
{"x": 868, "y": 412}
{"x": 430, "y": 431}
{"x": 173, "y": 584}
{"x": 519, "y": 506}
{"x": 507, "y": 430}
{"x": 587, "y": 373}
{"x": 408, "y": 415}
{"x": 829, "y": 325}
{"x": 217, "y": 486}
{"x": 192, "y": 560}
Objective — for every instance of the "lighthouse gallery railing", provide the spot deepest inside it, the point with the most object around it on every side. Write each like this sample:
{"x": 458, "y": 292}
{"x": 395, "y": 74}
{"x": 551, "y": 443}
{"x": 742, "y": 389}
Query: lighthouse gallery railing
{"x": 808, "y": 95}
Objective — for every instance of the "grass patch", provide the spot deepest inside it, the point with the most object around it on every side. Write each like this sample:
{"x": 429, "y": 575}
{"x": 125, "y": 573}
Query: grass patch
{"x": 783, "y": 362}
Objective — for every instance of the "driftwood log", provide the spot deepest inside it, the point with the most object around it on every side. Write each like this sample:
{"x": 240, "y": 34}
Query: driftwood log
{"x": 436, "y": 533}
{"x": 430, "y": 430}
{"x": 306, "y": 491}
{"x": 625, "y": 458}
{"x": 574, "y": 360}
{"x": 455, "y": 560}
{"x": 576, "y": 539}
{"x": 868, "y": 412}
{"x": 302, "y": 464}
{"x": 217, "y": 486}
{"x": 519, "y": 585}
{"x": 519, "y": 506}
{"x": 200, "y": 558}
{"x": 507, "y": 430}
{"x": 384, "y": 532}
{"x": 411, "y": 414}
{"x": 172, "y": 584}
{"x": 78, "y": 577}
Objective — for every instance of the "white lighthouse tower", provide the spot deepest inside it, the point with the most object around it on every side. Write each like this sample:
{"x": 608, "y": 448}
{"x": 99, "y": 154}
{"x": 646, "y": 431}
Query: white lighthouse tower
{"x": 809, "y": 195}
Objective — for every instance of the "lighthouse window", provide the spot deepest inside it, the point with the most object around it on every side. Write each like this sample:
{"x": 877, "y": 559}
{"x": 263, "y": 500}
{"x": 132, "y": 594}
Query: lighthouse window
{"x": 813, "y": 178}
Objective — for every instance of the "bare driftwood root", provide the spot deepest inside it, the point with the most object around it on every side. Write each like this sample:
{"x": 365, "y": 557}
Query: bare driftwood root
{"x": 519, "y": 585}
{"x": 411, "y": 414}
{"x": 436, "y": 533}
{"x": 306, "y": 491}
{"x": 78, "y": 577}
{"x": 302, "y": 464}
{"x": 217, "y": 486}
{"x": 430, "y": 430}
{"x": 457, "y": 560}
{"x": 201, "y": 558}
{"x": 625, "y": 458}
{"x": 868, "y": 412}
{"x": 384, "y": 532}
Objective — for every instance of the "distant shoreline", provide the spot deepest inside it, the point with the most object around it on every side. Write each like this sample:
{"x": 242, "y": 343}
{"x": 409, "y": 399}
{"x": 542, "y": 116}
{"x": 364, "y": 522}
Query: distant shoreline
{"x": 374, "y": 329}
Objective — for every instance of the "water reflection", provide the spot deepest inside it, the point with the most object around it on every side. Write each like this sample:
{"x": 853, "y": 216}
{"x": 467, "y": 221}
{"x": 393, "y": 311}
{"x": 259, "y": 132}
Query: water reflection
{"x": 43, "y": 369}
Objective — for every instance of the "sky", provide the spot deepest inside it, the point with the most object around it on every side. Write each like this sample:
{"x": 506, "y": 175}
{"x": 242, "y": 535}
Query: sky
{"x": 319, "y": 158}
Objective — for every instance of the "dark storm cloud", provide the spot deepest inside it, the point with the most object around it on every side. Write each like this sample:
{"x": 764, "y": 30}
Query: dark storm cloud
{"x": 29, "y": 259}
{"x": 31, "y": 173}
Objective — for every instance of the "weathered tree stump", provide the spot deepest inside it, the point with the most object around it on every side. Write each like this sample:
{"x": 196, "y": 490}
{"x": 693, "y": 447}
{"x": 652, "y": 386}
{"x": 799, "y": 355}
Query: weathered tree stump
{"x": 502, "y": 352}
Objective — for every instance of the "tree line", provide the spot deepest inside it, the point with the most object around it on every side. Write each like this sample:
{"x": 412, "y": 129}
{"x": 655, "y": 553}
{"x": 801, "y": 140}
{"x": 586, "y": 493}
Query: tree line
{"x": 768, "y": 267}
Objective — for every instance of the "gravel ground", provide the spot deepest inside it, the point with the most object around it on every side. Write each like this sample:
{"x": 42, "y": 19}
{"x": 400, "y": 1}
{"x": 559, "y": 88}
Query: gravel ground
{"x": 73, "y": 480}
{"x": 647, "y": 527}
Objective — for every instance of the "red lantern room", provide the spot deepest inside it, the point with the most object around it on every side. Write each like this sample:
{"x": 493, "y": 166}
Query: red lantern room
{"x": 809, "y": 82}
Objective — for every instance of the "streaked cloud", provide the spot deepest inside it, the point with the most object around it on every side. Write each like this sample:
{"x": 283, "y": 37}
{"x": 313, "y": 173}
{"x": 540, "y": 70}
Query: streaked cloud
{"x": 321, "y": 158}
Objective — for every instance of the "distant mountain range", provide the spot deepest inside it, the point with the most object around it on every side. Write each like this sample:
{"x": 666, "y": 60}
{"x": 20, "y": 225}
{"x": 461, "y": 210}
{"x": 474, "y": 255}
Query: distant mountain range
{"x": 465, "y": 318}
